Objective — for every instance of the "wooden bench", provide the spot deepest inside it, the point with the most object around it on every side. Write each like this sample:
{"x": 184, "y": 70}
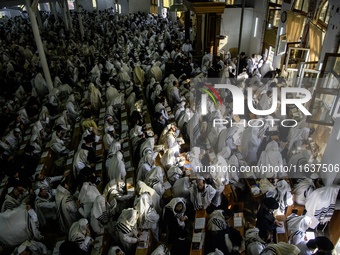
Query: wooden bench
{"x": 282, "y": 237}
{"x": 199, "y": 214}
{"x": 147, "y": 250}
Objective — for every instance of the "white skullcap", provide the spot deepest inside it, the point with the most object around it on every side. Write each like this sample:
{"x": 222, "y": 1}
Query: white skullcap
{"x": 10, "y": 189}
{"x": 314, "y": 176}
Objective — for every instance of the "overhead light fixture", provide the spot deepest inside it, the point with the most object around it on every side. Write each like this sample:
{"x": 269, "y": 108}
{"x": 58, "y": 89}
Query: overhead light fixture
{"x": 178, "y": 6}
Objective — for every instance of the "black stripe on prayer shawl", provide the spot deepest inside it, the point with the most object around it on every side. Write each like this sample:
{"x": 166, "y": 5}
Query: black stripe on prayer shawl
{"x": 251, "y": 240}
{"x": 103, "y": 218}
{"x": 8, "y": 206}
{"x": 219, "y": 223}
{"x": 325, "y": 212}
{"x": 271, "y": 249}
{"x": 123, "y": 228}
{"x": 48, "y": 179}
{"x": 79, "y": 240}
{"x": 154, "y": 182}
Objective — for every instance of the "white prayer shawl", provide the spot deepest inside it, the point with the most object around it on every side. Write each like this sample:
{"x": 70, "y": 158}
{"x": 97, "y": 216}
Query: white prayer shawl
{"x": 201, "y": 199}
{"x": 123, "y": 75}
{"x": 45, "y": 209}
{"x": 224, "y": 136}
{"x": 220, "y": 178}
{"x": 17, "y": 226}
{"x": 66, "y": 207}
{"x": 145, "y": 165}
{"x": 156, "y": 72}
{"x": 77, "y": 234}
{"x": 35, "y": 247}
{"x": 117, "y": 168}
{"x": 264, "y": 102}
{"x": 254, "y": 244}
{"x": 184, "y": 118}
{"x": 23, "y": 116}
{"x": 148, "y": 217}
{"x": 193, "y": 130}
{"x": 138, "y": 75}
{"x": 250, "y": 143}
{"x": 217, "y": 221}
{"x": 80, "y": 161}
{"x": 147, "y": 147}
{"x": 181, "y": 188}
{"x": 295, "y": 137}
{"x": 87, "y": 196}
{"x": 43, "y": 115}
{"x": 127, "y": 231}
{"x": 95, "y": 96}
{"x": 108, "y": 139}
{"x": 143, "y": 187}
{"x": 40, "y": 85}
{"x": 154, "y": 179}
{"x": 271, "y": 156}
{"x": 172, "y": 205}
{"x": 113, "y": 249}
{"x": 303, "y": 190}
{"x": 100, "y": 213}
{"x": 321, "y": 203}
{"x": 174, "y": 173}
{"x": 63, "y": 121}
{"x": 193, "y": 157}
{"x": 297, "y": 227}
{"x": 161, "y": 250}
{"x": 280, "y": 248}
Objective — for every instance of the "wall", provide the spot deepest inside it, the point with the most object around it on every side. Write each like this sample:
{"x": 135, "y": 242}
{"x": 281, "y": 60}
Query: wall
{"x": 231, "y": 19}
{"x": 105, "y": 4}
{"x": 87, "y": 5}
{"x": 124, "y": 6}
{"x": 332, "y": 154}
{"x": 230, "y": 27}
{"x": 139, "y": 5}
{"x": 12, "y": 13}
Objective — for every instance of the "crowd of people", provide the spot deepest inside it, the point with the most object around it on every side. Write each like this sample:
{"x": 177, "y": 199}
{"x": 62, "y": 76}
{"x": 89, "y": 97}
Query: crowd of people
{"x": 120, "y": 59}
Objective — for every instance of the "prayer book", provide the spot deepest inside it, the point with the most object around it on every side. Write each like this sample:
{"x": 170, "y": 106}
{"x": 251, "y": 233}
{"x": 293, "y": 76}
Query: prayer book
{"x": 99, "y": 167}
{"x": 44, "y": 155}
{"x": 167, "y": 185}
{"x": 199, "y": 223}
{"x": 280, "y": 230}
{"x": 69, "y": 161}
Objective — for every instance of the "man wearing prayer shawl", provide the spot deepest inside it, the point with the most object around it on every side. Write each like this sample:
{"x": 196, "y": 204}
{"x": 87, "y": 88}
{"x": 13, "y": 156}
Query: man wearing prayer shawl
{"x": 116, "y": 169}
{"x": 320, "y": 205}
{"x": 57, "y": 143}
{"x": 41, "y": 181}
{"x": 271, "y": 156}
{"x": 280, "y": 248}
{"x": 154, "y": 179}
{"x": 138, "y": 75}
{"x": 250, "y": 142}
{"x": 81, "y": 234}
{"x": 304, "y": 189}
{"x": 40, "y": 85}
{"x": 156, "y": 72}
{"x": 127, "y": 230}
{"x": 45, "y": 206}
{"x": 148, "y": 217}
{"x": 174, "y": 217}
{"x": 66, "y": 207}
{"x": 146, "y": 163}
{"x": 14, "y": 198}
{"x": 109, "y": 138}
{"x": 201, "y": 194}
{"x": 256, "y": 240}
{"x": 32, "y": 247}
{"x": 72, "y": 108}
{"x": 102, "y": 213}
{"x": 297, "y": 227}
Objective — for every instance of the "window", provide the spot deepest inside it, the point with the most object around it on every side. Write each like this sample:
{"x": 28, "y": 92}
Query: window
{"x": 274, "y": 17}
{"x": 325, "y": 104}
{"x": 154, "y": 6}
{"x": 301, "y": 6}
{"x": 324, "y": 14}
{"x": 70, "y": 4}
{"x": 94, "y": 4}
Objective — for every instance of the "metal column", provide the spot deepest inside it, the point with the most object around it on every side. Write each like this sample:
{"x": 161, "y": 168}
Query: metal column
{"x": 39, "y": 45}
{"x": 68, "y": 15}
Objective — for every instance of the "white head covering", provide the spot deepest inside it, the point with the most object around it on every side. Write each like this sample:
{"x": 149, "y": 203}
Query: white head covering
{"x": 128, "y": 217}
{"x": 78, "y": 230}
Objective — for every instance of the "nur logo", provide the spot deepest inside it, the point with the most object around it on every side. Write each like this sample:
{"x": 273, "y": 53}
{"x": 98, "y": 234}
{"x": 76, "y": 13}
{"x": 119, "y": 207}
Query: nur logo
{"x": 206, "y": 91}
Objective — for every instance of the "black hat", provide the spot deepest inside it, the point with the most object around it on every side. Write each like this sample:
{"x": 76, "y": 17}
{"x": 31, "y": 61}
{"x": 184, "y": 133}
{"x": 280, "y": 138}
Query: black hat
{"x": 271, "y": 203}
{"x": 324, "y": 243}
{"x": 89, "y": 139}
{"x": 157, "y": 115}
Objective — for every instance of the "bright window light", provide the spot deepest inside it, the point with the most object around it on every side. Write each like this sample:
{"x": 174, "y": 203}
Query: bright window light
{"x": 255, "y": 30}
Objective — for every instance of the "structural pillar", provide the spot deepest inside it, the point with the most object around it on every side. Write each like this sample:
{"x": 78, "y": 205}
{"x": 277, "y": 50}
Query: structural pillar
{"x": 39, "y": 19}
{"x": 199, "y": 35}
{"x": 53, "y": 10}
{"x": 187, "y": 25}
{"x": 81, "y": 27}
{"x": 217, "y": 32}
{"x": 62, "y": 7}
{"x": 39, "y": 45}
{"x": 97, "y": 8}
{"x": 240, "y": 37}
{"x": 68, "y": 15}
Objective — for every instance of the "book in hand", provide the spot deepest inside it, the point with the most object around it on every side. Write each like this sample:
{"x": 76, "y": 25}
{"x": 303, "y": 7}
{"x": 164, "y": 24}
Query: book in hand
{"x": 281, "y": 230}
